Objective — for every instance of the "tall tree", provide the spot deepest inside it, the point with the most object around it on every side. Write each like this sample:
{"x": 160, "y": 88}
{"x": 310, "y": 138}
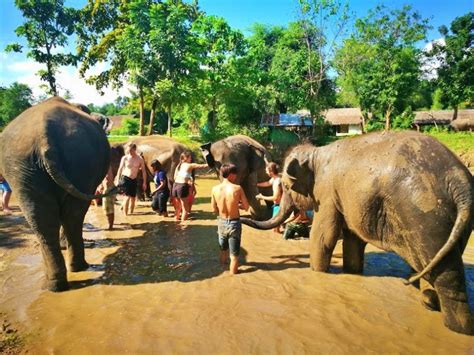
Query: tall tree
{"x": 220, "y": 45}
{"x": 456, "y": 62}
{"x": 47, "y": 28}
{"x": 14, "y": 100}
{"x": 380, "y": 62}
{"x": 322, "y": 23}
{"x": 174, "y": 39}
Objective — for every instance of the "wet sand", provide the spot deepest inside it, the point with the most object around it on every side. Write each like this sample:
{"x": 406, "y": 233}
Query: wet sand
{"x": 156, "y": 286}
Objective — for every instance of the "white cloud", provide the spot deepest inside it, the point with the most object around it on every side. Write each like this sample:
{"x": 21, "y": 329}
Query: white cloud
{"x": 430, "y": 65}
{"x": 67, "y": 78}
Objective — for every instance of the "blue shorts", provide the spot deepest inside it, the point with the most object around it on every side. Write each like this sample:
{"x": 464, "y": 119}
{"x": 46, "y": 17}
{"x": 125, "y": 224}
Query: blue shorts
{"x": 5, "y": 187}
{"x": 229, "y": 232}
{"x": 275, "y": 209}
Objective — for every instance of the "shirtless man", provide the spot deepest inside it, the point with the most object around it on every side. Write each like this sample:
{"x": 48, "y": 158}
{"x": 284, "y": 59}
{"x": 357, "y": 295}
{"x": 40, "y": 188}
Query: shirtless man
{"x": 226, "y": 199}
{"x": 127, "y": 173}
{"x": 275, "y": 183}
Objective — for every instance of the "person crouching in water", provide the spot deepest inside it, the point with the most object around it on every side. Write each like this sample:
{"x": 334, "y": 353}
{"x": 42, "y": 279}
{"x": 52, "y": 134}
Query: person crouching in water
{"x": 130, "y": 165}
{"x": 226, "y": 199}
{"x": 183, "y": 179}
{"x": 162, "y": 192}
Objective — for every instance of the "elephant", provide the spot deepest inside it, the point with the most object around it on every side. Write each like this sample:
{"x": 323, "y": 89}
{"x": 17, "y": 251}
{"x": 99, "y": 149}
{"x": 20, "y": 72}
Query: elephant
{"x": 250, "y": 157}
{"x": 403, "y": 192}
{"x": 165, "y": 149}
{"x": 463, "y": 124}
{"x": 54, "y": 166}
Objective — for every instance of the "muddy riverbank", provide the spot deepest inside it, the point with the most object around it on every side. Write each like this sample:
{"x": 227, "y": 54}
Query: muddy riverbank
{"x": 157, "y": 287}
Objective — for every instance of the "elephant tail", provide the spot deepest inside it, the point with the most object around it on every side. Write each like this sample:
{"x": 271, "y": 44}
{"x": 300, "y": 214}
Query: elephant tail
{"x": 462, "y": 225}
{"x": 50, "y": 161}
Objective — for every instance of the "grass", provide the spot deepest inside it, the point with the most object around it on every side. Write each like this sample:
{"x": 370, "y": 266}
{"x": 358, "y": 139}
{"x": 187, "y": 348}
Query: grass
{"x": 458, "y": 142}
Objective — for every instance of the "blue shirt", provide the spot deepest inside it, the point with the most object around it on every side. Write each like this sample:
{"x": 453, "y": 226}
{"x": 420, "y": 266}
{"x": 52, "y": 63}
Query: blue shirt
{"x": 159, "y": 177}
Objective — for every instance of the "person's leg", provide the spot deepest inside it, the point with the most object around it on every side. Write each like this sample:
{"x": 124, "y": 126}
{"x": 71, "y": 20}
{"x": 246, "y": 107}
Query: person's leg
{"x": 110, "y": 219}
{"x": 125, "y": 204}
{"x": 5, "y": 201}
{"x": 162, "y": 201}
{"x": 185, "y": 208}
{"x": 132, "y": 204}
{"x": 234, "y": 264}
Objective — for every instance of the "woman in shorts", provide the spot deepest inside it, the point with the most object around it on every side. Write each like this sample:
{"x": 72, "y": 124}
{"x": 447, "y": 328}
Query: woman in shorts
{"x": 183, "y": 180}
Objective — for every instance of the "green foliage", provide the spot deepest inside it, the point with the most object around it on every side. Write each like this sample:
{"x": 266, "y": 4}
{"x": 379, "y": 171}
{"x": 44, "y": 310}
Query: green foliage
{"x": 456, "y": 58}
{"x": 130, "y": 127}
{"x": 404, "y": 120}
{"x": 47, "y": 28}
{"x": 13, "y": 101}
{"x": 380, "y": 63}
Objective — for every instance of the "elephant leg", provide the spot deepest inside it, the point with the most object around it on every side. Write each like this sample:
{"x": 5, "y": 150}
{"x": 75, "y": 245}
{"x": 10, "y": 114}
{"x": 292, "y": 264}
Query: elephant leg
{"x": 73, "y": 214}
{"x": 325, "y": 232}
{"x": 249, "y": 185}
{"x": 352, "y": 253}
{"x": 45, "y": 222}
{"x": 429, "y": 297}
{"x": 449, "y": 283}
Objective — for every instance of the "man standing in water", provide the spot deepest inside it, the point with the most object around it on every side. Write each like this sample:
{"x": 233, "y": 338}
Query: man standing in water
{"x": 130, "y": 165}
{"x": 226, "y": 199}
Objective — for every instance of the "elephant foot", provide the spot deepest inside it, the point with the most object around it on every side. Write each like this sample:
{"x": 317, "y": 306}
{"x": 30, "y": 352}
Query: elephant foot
{"x": 456, "y": 312}
{"x": 56, "y": 286}
{"x": 430, "y": 300}
{"x": 76, "y": 267}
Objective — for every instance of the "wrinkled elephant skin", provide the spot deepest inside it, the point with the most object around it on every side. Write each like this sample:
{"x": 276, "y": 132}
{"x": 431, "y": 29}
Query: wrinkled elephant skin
{"x": 463, "y": 124}
{"x": 54, "y": 167}
{"x": 250, "y": 157}
{"x": 402, "y": 192}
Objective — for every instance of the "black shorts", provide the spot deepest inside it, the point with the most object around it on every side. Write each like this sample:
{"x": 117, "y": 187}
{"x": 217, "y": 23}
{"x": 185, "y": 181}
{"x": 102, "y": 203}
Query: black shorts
{"x": 180, "y": 190}
{"x": 128, "y": 186}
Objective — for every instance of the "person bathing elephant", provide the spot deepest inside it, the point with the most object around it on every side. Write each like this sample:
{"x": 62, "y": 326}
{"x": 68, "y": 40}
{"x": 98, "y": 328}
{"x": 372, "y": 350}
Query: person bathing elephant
{"x": 166, "y": 150}
{"x": 402, "y": 192}
{"x": 251, "y": 158}
{"x": 55, "y": 165}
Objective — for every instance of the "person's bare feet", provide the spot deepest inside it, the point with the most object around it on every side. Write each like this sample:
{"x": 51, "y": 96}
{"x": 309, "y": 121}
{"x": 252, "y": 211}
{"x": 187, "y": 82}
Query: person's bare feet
{"x": 7, "y": 211}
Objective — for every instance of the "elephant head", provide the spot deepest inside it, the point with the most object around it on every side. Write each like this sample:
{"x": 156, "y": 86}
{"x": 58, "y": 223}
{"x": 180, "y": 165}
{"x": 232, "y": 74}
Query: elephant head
{"x": 297, "y": 183}
{"x": 250, "y": 157}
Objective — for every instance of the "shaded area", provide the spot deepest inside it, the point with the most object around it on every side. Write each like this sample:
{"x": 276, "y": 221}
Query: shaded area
{"x": 13, "y": 231}
{"x": 167, "y": 251}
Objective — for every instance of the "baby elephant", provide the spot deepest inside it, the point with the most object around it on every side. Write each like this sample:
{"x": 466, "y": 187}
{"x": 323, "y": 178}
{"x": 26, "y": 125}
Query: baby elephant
{"x": 402, "y": 192}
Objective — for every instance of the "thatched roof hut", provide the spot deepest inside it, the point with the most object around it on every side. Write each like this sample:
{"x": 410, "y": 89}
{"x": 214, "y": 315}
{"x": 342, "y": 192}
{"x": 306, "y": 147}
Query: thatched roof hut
{"x": 441, "y": 117}
{"x": 343, "y": 116}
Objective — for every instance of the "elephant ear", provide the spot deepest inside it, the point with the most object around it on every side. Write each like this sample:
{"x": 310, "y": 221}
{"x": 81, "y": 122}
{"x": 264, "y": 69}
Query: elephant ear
{"x": 206, "y": 153}
{"x": 300, "y": 176}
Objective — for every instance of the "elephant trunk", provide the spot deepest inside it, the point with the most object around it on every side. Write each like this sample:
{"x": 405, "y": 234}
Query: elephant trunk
{"x": 286, "y": 208}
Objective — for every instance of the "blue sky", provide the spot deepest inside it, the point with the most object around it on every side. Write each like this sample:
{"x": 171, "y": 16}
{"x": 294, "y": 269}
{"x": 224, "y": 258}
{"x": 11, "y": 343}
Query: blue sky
{"x": 240, "y": 14}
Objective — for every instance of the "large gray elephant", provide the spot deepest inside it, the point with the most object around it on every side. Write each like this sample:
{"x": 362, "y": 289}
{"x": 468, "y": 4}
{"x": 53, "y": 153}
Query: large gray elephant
{"x": 250, "y": 157}
{"x": 402, "y": 192}
{"x": 54, "y": 167}
{"x": 165, "y": 149}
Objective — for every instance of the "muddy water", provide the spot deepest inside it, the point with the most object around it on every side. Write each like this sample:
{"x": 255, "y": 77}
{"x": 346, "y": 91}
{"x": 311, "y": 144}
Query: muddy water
{"x": 156, "y": 287}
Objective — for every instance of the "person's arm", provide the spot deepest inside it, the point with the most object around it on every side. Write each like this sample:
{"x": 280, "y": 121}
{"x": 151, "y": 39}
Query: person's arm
{"x": 244, "y": 203}
{"x": 142, "y": 167}
{"x": 198, "y": 166}
{"x": 214, "y": 203}
{"x": 264, "y": 184}
{"x": 265, "y": 198}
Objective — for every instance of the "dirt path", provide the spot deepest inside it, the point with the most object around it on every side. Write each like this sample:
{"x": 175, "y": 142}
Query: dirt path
{"x": 156, "y": 287}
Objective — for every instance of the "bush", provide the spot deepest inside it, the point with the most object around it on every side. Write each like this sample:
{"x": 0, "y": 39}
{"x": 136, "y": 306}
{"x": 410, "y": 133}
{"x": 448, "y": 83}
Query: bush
{"x": 130, "y": 127}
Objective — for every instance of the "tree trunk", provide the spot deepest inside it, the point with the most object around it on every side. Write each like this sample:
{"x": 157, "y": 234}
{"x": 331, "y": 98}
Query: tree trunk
{"x": 152, "y": 116}
{"x": 388, "y": 114}
{"x": 213, "y": 114}
{"x": 141, "y": 130}
{"x": 170, "y": 121}
{"x": 455, "y": 113}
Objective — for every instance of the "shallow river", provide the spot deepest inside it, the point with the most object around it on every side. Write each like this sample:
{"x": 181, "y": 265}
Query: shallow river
{"x": 157, "y": 287}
